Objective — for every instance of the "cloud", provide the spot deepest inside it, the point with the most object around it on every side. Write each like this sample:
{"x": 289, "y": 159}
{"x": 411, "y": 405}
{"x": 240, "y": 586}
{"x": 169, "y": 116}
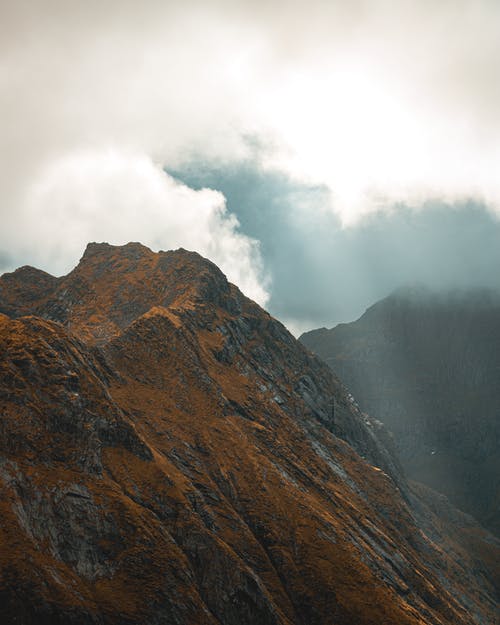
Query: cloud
{"x": 366, "y": 106}
{"x": 116, "y": 197}
{"x": 382, "y": 102}
{"x": 323, "y": 273}
{"x": 396, "y": 103}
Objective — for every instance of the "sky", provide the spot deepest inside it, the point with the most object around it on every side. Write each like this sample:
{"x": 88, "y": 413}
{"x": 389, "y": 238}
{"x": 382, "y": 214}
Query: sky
{"x": 322, "y": 153}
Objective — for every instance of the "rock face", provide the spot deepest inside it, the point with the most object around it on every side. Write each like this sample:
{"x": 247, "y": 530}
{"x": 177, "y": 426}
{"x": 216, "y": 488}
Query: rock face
{"x": 428, "y": 366}
{"x": 170, "y": 454}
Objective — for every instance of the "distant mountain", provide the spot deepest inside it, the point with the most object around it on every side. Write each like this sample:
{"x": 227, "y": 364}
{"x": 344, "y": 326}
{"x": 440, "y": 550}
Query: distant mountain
{"x": 428, "y": 366}
{"x": 170, "y": 454}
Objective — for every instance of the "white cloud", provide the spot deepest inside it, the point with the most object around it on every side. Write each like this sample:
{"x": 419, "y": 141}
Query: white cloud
{"x": 118, "y": 197}
{"x": 381, "y": 101}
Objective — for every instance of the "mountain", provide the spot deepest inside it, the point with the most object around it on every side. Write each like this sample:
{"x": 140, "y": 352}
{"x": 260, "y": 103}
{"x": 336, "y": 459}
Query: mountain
{"x": 170, "y": 454}
{"x": 428, "y": 366}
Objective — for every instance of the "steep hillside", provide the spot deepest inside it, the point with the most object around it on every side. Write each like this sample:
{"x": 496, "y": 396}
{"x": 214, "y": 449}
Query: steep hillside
{"x": 170, "y": 454}
{"x": 428, "y": 366}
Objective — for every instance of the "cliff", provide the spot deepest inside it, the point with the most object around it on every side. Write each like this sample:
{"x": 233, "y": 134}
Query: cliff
{"x": 427, "y": 365}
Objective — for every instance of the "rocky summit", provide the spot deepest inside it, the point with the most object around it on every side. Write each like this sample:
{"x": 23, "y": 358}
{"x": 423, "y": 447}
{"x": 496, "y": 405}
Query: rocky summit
{"x": 427, "y": 365}
{"x": 170, "y": 454}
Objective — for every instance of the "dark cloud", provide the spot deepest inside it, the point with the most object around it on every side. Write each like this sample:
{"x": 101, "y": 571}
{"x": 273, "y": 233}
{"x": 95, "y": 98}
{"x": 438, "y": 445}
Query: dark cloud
{"x": 323, "y": 273}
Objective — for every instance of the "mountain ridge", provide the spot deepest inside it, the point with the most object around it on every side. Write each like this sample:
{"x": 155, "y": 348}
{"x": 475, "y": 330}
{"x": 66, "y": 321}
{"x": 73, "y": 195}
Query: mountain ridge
{"x": 171, "y": 454}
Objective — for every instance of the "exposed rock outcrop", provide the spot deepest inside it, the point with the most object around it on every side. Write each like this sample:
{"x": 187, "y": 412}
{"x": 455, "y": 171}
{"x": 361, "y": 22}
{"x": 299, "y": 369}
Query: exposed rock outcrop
{"x": 170, "y": 454}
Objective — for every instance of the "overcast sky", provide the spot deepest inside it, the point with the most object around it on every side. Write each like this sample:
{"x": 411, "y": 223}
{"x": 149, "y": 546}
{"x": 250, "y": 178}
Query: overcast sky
{"x": 322, "y": 153}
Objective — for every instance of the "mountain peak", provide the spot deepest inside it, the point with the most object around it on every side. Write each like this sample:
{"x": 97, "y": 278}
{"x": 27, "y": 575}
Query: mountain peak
{"x": 115, "y": 284}
{"x": 133, "y": 249}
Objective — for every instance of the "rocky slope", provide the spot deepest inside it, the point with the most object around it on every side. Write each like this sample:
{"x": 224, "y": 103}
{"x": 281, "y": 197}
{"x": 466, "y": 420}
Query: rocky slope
{"x": 169, "y": 454}
{"x": 428, "y": 366}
